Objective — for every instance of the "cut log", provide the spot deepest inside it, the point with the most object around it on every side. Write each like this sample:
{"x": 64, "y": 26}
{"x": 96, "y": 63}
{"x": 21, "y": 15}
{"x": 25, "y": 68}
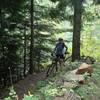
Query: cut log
{"x": 85, "y": 68}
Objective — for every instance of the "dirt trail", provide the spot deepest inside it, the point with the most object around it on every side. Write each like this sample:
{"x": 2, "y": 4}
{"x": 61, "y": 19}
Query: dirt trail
{"x": 28, "y": 84}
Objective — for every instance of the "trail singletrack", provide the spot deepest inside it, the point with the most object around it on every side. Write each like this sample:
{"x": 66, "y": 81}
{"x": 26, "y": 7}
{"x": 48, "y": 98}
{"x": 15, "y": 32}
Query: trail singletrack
{"x": 28, "y": 84}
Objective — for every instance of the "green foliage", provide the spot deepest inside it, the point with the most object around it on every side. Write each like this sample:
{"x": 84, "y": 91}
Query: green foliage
{"x": 51, "y": 90}
{"x": 91, "y": 87}
{"x": 30, "y": 97}
{"x": 90, "y": 31}
{"x": 40, "y": 84}
{"x": 8, "y": 98}
{"x": 12, "y": 94}
{"x": 10, "y": 41}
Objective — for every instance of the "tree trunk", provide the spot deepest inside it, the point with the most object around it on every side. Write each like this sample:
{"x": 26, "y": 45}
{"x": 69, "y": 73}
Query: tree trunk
{"x": 25, "y": 42}
{"x": 77, "y": 30}
{"x": 39, "y": 57}
{"x": 31, "y": 69}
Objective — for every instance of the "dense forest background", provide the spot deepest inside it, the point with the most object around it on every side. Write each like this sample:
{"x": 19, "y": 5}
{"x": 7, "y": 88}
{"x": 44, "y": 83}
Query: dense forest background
{"x": 30, "y": 29}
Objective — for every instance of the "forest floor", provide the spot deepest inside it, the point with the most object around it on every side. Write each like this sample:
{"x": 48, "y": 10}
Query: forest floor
{"x": 46, "y": 89}
{"x": 28, "y": 84}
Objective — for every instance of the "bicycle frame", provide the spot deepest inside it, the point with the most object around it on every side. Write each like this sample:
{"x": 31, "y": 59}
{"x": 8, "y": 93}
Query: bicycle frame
{"x": 54, "y": 66}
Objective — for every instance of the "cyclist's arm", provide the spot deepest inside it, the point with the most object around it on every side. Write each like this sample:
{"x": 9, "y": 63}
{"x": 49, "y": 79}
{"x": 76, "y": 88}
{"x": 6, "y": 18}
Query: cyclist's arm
{"x": 66, "y": 48}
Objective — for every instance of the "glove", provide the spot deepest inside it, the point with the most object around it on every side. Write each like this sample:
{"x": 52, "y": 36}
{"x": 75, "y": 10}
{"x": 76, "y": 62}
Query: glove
{"x": 67, "y": 52}
{"x": 51, "y": 54}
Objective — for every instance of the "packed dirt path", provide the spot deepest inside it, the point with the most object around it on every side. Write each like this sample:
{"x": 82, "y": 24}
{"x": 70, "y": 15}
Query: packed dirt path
{"x": 28, "y": 84}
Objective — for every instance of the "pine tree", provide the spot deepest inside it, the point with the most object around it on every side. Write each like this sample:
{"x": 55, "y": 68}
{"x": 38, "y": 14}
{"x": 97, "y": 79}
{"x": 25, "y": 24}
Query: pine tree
{"x": 77, "y": 29}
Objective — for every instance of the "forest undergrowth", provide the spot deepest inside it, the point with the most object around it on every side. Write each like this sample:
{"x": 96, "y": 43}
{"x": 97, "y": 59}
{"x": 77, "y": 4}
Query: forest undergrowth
{"x": 49, "y": 88}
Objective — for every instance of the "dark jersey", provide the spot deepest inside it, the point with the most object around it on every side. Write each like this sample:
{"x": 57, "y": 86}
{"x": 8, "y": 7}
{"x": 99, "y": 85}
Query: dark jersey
{"x": 59, "y": 48}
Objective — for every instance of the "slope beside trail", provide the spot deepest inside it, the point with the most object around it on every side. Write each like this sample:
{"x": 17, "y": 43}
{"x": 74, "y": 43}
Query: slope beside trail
{"x": 28, "y": 84}
{"x": 90, "y": 89}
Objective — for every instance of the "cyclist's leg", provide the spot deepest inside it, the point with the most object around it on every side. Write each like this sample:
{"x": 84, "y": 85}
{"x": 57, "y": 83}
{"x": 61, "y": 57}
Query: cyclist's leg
{"x": 62, "y": 61}
{"x": 61, "y": 64}
{"x": 57, "y": 62}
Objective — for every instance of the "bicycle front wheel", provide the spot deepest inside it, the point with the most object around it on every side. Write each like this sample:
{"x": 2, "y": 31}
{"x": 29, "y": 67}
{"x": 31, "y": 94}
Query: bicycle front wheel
{"x": 51, "y": 70}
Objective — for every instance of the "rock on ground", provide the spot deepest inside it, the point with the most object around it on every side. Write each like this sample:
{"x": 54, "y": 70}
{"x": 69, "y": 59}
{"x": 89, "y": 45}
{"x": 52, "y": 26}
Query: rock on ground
{"x": 68, "y": 96}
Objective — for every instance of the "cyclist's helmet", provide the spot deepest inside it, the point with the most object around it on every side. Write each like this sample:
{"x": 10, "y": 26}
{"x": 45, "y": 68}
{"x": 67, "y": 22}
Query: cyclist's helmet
{"x": 60, "y": 39}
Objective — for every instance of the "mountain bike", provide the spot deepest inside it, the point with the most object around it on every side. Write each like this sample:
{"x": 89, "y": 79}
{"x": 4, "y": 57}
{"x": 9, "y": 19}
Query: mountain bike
{"x": 53, "y": 68}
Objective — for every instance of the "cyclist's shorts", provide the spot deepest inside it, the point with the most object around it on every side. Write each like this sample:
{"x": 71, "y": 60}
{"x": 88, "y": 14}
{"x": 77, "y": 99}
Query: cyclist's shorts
{"x": 60, "y": 56}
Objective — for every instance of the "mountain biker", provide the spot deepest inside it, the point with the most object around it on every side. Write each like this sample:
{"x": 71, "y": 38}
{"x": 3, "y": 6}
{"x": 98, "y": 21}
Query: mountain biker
{"x": 59, "y": 49}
